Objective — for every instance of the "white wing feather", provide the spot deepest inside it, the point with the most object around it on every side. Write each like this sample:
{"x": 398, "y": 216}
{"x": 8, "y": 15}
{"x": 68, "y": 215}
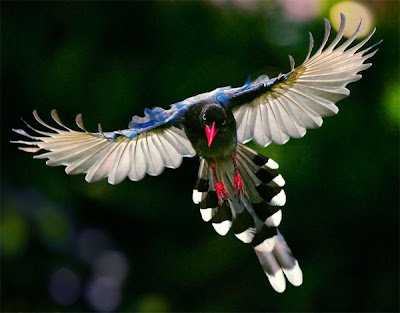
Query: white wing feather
{"x": 308, "y": 94}
{"x": 99, "y": 157}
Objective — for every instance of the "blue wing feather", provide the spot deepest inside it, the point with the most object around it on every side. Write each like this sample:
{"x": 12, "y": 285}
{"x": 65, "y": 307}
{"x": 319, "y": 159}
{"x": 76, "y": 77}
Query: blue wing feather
{"x": 250, "y": 90}
{"x": 157, "y": 117}
{"x": 152, "y": 119}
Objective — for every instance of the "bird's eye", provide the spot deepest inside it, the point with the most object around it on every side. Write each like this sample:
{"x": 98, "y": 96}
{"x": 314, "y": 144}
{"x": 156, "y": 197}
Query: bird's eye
{"x": 204, "y": 116}
{"x": 223, "y": 123}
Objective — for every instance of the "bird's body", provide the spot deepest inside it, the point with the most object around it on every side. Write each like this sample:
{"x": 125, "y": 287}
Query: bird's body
{"x": 237, "y": 188}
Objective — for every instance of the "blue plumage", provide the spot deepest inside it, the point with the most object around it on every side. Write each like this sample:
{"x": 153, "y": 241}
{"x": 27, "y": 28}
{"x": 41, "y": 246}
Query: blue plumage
{"x": 158, "y": 117}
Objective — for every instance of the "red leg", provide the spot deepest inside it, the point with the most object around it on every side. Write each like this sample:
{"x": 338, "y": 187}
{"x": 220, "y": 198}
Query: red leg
{"x": 219, "y": 187}
{"x": 238, "y": 186}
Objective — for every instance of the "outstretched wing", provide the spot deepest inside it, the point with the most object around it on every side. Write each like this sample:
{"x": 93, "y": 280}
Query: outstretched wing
{"x": 149, "y": 145}
{"x": 283, "y": 107}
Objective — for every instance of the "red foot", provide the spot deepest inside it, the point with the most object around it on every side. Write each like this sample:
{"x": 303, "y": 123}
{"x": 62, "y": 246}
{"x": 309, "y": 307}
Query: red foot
{"x": 238, "y": 185}
{"x": 221, "y": 192}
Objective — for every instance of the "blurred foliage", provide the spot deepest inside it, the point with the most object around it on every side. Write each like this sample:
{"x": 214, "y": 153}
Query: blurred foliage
{"x": 391, "y": 104}
{"x": 13, "y": 232}
{"x": 111, "y": 60}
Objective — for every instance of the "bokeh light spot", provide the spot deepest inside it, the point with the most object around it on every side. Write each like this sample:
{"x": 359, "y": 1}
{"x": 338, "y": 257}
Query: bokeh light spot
{"x": 112, "y": 264}
{"x": 244, "y": 5}
{"x": 354, "y": 12}
{"x": 300, "y": 10}
{"x": 103, "y": 294}
{"x": 64, "y": 287}
{"x": 91, "y": 242}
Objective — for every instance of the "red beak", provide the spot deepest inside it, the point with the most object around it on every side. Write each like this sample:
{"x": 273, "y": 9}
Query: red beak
{"x": 211, "y": 132}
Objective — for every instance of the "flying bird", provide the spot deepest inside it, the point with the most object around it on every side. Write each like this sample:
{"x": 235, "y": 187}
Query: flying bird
{"x": 237, "y": 188}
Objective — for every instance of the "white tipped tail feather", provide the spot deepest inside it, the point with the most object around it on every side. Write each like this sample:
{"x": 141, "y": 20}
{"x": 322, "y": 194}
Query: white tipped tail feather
{"x": 276, "y": 259}
{"x": 274, "y": 220}
{"x": 223, "y": 227}
{"x": 254, "y": 217}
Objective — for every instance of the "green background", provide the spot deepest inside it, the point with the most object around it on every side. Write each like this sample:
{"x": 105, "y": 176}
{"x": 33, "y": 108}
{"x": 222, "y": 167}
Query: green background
{"x": 111, "y": 60}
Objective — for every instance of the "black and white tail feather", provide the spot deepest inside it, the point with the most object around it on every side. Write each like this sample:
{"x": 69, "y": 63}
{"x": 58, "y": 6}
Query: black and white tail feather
{"x": 254, "y": 217}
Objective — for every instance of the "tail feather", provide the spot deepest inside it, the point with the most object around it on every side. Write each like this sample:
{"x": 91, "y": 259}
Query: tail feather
{"x": 243, "y": 223}
{"x": 222, "y": 220}
{"x": 254, "y": 217}
{"x": 244, "y": 226}
{"x": 276, "y": 259}
{"x": 267, "y": 213}
{"x": 257, "y": 158}
{"x": 264, "y": 186}
{"x": 259, "y": 170}
{"x": 209, "y": 205}
{"x": 203, "y": 194}
{"x": 275, "y": 219}
{"x": 289, "y": 264}
{"x": 220, "y": 215}
{"x": 271, "y": 267}
{"x": 202, "y": 183}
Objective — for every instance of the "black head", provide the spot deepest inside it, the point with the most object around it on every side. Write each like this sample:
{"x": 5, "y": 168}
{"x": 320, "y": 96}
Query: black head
{"x": 212, "y": 117}
{"x": 213, "y": 113}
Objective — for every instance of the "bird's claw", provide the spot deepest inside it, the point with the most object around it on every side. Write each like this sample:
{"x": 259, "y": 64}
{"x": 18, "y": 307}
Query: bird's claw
{"x": 238, "y": 185}
{"x": 221, "y": 192}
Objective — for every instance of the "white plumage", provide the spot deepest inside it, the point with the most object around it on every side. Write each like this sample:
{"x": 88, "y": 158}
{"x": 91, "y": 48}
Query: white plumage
{"x": 223, "y": 227}
{"x": 274, "y": 220}
{"x": 98, "y": 157}
{"x": 279, "y": 199}
{"x": 309, "y": 93}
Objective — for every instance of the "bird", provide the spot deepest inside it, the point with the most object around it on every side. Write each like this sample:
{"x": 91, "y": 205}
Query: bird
{"x": 237, "y": 188}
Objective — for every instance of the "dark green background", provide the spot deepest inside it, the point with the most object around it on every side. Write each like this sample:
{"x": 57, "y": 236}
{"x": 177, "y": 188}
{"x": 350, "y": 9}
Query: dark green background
{"x": 110, "y": 61}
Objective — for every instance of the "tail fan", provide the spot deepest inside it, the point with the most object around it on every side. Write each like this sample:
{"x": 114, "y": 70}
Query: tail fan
{"x": 255, "y": 216}
{"x": 204, "y": 193}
